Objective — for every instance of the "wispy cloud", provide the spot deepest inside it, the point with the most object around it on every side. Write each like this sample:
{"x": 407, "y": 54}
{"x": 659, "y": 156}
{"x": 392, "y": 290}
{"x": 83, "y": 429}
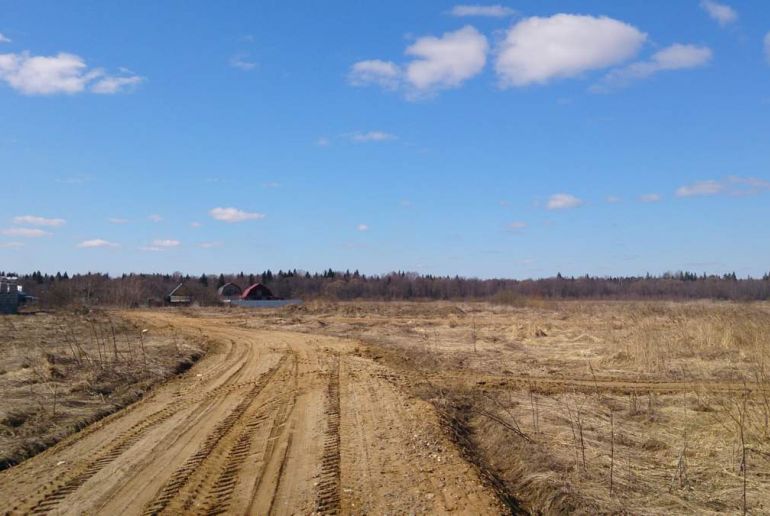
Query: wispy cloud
{"x": 493, "y": 11}
{"x": 97, "y": 243}
{"x": 362, "y": 227}
{"x": 721, "y": 13}
{"x": 231, "y": 215}
{"x": 241, "y": 61}
{"x": 155, "y": 218}
{"x": 11, "y": 245}
{"x": 385, "y": 74}
{"x": 563, "y": 201}
{"x": 766, "y": 43}
{"x": 323, "y": 141}
{"x": 674, "y": 57}
{"x": 26, "y": 232}
{"x": 158, "y": 245}
{"x": 516, "y": 226}
{"x": 372, "y": 136}
{"x": 612, "y": 199}
{"x": 210, "y": 245}
{"x": 538, "y": 50}
{"x": 33, "y": 220}
{"x": 651, "y": 197}
{"x": 4, "y": 39}
{"x": 195, "y": 225}
{"x": 117, "y": 220}
{"x": 62, "y": 73}
{"x": 731, "y": 185}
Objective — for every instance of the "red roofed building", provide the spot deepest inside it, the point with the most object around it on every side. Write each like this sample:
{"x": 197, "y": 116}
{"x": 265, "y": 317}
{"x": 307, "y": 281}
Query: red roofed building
{"x": 257, "y": 292}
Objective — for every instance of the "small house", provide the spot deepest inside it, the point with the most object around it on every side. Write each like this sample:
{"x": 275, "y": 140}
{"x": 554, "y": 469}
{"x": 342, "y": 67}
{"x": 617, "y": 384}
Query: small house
{"x": 257, "y": 292}
{"x": 181, "y": 295}
{"x": 229, "y": 291}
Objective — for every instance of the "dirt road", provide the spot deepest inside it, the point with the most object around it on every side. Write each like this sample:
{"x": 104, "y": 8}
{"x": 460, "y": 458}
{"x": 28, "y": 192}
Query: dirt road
{"x": 266, "y": 423}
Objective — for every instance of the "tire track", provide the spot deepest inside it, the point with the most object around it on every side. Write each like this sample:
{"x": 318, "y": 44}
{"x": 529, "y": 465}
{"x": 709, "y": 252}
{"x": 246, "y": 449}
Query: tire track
{"x": 328, "y": 495}
{"x": 180, "y": 477}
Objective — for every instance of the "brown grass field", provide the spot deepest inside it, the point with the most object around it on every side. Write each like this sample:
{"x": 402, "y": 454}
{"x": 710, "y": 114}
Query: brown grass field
{"x": 563, "y": 407}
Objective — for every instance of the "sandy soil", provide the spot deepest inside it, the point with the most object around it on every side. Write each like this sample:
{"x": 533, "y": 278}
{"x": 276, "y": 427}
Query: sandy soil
{"x": 269, "y": 422}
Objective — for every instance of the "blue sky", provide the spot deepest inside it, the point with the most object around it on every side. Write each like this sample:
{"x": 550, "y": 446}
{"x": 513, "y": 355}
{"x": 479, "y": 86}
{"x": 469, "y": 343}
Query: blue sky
{"x": 492, "y": 140}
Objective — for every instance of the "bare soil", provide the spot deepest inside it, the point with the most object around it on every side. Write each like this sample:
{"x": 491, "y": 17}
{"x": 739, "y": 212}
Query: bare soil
{"x": 588, "y": 408}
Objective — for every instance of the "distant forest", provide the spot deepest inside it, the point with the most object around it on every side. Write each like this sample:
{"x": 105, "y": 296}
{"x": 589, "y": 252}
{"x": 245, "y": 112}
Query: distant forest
{"x": 61, "y": 289}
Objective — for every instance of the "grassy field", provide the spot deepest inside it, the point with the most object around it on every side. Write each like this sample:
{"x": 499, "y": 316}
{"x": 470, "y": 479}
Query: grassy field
{"x": 589, "y": 407}
{"x": 59, "y": 372}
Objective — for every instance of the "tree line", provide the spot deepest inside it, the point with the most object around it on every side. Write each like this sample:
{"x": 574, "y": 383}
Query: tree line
{"x": 63, "y": 289}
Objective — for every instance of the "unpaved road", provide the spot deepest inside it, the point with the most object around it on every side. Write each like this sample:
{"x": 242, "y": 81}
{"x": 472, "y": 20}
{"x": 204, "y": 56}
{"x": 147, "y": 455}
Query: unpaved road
{"x": 266, "y": 423}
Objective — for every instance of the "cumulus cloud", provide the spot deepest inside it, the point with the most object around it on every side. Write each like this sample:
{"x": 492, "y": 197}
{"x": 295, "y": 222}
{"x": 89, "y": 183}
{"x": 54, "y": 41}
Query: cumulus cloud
{"x": 438, "y": 62}
{"x": 4, "y": 39}
{"x": 231, "y": 215}
{"x": 731, "y": 185}
{"x": 492, "y": 11}
{"x": 563, "y": 201}
{"x": 62, "y": 73}
{"x": 674, "y": 57}
{"x": 96, "y": 243}
{"x": 242, "y": 62}
{"x": 33, "y": 220}
{"x": 446, "y": 61}
{"x": 385, "y": 74}
{"x": 25, "y": 232}
{"x": 537, "y": 50}
{"x": 652, "y": 197}
{"x": 362, "y": 227}
{"x": 721, "y": 13}
{"x": 372, "y": 136}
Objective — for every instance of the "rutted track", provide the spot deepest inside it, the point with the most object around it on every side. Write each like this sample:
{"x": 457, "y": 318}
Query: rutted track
{"x": 266, "y": 423}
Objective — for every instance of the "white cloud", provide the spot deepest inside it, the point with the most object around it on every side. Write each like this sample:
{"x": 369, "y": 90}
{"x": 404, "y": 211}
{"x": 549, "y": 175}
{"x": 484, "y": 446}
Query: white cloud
{"x": 231, "y": 215}
{"x": 62, "y": 73}
{"x": 362, "y": 227}
{"x": 614, "y": 199}
{"x": 537, "y": 50}
{"x": 700, "y": 188}
{"x": 4, "y": 39}
{"x": 116, "y": 220}
{"x": 514, "y": 226}
{"x": 210, "y": 245}
{"x": 25, "y": 232}
{"x": 110, "y": 85}
{"x": 11, "y": 245}
{"x": 767, "y": 46}
{"x": 150, "y": 248}
{"x": 195, "y": 225}
{"x": 155, "y": 218}
{"x": 652, "y": 197}
{"x": 323, "y": 141}
{"x": 723, "y": 14}
{"x": 731, "y": 185}
{"x": 446, "y": 61}
{"x": 493, "y": 11}
{"x": 96, "y": 243}
{"x": 242, "y": 62}
{"x": 563, "y": 201}
{"x": 33, "y": 220}
{"x": 385, "y": 74}
{"x": 372, "y": 136}
{"x": 166, "y": 243}
{"x": 674, "y": 57}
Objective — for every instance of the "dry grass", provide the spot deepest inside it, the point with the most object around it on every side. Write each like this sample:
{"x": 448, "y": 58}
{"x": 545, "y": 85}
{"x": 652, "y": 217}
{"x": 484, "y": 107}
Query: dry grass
{"x": 58, "y": 372}
{"x": 586, "y": 407}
